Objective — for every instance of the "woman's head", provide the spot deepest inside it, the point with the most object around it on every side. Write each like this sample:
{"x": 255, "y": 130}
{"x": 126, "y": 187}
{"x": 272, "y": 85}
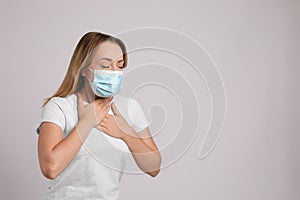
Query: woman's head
{"x": 94, "y": 51}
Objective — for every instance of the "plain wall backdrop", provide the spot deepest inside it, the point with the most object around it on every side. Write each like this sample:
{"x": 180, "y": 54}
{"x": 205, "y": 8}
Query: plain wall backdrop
{"x": 255, "y": 45}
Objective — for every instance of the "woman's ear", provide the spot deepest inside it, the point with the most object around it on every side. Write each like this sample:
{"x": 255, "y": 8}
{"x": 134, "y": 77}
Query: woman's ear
{"x": 83, "y": 72}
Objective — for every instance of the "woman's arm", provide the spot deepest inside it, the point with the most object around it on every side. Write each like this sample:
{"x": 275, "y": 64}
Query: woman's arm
{"x": 56, "y": 152}
{"x": 144, "y": 150}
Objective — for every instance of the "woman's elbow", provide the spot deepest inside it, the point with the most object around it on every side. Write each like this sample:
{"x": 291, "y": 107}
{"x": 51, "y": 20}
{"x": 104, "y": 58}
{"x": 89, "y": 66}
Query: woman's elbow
{"x": 50, "y": 174}
{"x": 154, "y": 173}
{"x": 49, "y": 170}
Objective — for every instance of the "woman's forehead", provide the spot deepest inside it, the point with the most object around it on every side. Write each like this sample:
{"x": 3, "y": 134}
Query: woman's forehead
{"x": 108, "y": 50}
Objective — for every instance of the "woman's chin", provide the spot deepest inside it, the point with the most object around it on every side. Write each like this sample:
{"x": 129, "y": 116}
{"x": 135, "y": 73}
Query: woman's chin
{"x": 99, "y": 97}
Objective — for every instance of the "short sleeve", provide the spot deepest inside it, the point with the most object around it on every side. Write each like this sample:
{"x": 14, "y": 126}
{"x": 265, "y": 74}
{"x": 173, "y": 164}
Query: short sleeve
{"x": 137, "y": 115}
{"x": 52, "y": 112}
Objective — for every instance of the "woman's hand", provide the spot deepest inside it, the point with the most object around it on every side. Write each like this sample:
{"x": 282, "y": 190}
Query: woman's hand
{"x": 115, "y": 125}
{"x": 93, "y": 113}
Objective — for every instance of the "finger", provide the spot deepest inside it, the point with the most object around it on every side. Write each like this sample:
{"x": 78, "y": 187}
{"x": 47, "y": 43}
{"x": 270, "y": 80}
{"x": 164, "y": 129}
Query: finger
{"x": 101, "y": 102}
{"x": 103, "y": 120}
{"x": 103, "y": 124}
{"x": 104, "y": 105}
{"x": 114, "y": 109}
{"x": 105, "y": 112}
{"x": 106, "y": 101}
{"x": 100, "y": 127}
{"x": 101, "y": 108}
{"x": 107, "y": 106}
{"x": 108, "y": 117}
{"x": 105, "y": 130}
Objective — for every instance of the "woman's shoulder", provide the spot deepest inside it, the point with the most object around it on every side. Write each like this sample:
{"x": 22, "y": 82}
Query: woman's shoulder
{"x": 129, "y": 104}
{"x": 71, "y": 99}
{"x": 125, "y": 100}
{"x": 62, "y": 101}
{"x": 133, "y": 112}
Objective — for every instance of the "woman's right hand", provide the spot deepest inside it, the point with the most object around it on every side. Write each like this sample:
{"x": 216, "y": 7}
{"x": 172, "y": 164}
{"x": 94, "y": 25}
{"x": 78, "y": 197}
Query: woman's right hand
{"x": 92, "y": 114}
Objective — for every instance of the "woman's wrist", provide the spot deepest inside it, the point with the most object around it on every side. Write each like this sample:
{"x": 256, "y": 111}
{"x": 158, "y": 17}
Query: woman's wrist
{"x": 83, "y": 125}
{"x": 129, "y": 134}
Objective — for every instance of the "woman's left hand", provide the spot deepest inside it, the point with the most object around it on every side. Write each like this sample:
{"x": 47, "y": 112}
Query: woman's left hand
{"x": 115, "y": 125}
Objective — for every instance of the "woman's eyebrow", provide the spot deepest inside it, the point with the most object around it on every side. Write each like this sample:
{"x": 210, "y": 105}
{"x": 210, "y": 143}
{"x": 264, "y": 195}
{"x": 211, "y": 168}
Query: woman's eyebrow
{"x": 105, "y": 59}
{"x": 109, "y": 59}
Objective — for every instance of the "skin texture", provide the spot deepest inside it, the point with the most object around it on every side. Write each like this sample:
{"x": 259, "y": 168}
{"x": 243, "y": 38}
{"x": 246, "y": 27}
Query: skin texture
{"x": 56, "y": 152}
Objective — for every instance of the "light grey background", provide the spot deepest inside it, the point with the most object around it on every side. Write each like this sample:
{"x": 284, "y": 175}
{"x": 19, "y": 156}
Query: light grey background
{"x": 255, "y": 44}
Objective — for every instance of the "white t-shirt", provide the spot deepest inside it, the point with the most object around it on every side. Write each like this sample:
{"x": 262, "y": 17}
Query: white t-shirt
{"x": 96, "y": 170}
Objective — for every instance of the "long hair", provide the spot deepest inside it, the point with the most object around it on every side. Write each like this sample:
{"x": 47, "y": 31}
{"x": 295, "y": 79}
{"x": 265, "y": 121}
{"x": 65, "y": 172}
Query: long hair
{"x": 81, "y": 58}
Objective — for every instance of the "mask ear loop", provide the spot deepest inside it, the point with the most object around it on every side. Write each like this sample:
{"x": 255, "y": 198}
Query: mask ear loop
{"x": 103, "y": 71}
{"x": 87, "y": 77}
{"x": 93, "y": 71}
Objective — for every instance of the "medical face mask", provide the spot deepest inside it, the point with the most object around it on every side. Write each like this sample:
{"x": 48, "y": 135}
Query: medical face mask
{"x": 106, "y": 83}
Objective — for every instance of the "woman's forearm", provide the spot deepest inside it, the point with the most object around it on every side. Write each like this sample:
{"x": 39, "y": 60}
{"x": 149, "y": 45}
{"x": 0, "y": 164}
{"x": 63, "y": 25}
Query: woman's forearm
{"x": 65, "y": 151}
{"x": 148, "y": 159}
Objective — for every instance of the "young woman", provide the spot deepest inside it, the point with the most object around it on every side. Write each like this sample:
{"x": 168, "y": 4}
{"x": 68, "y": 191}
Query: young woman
{"x": 87, "y": 129}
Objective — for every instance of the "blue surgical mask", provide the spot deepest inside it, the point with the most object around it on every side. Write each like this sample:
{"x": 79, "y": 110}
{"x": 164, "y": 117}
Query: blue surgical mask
{"x": 106, "y": 83}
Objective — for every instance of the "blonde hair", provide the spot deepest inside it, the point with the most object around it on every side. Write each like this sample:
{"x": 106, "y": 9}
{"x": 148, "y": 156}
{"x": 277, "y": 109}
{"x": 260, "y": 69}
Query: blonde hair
{"x": 81, "y": 58}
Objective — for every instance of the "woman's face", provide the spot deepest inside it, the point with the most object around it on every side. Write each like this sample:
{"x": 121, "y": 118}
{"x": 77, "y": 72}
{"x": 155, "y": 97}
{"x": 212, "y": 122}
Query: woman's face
{"x": 108, "y": 56}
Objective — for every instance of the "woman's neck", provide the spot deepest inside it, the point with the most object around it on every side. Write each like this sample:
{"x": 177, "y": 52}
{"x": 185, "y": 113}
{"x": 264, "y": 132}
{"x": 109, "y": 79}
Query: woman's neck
{"x": 88, "y": 95}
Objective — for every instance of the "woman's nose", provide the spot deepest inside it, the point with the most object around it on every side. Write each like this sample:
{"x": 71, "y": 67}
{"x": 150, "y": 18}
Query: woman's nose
{"x": 114, "y": 66}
